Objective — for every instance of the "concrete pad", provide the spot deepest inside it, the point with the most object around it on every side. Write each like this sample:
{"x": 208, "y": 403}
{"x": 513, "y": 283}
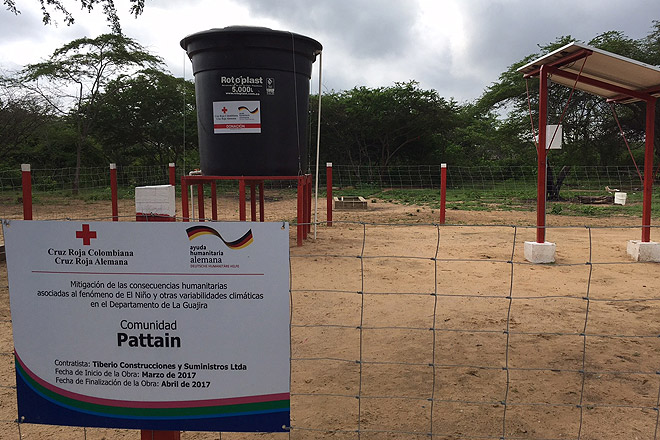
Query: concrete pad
{"x": 644, "y": 251}
{"x": 350, "y": 203}
{"x": 540, "y": 253}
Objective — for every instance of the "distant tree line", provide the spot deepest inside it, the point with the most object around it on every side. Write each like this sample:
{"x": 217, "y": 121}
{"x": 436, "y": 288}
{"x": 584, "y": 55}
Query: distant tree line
{"x": 107, "y": 99}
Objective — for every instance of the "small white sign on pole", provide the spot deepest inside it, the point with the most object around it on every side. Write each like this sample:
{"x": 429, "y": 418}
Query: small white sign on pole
{"x": 554, "y": 135}
{"x": 164, "y": 326}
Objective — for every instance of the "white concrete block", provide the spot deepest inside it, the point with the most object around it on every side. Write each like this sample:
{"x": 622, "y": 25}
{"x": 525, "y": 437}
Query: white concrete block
{"x": 157, "y": 199}
{"x": 540, "y": 253}
{"x": 644, "y": 251}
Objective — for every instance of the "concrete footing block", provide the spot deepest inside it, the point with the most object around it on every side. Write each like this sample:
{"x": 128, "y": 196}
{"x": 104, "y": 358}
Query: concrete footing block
{"x": 644, "y": 251}
{"x": 158, "y": 199}
{"x": 540, "y": 253}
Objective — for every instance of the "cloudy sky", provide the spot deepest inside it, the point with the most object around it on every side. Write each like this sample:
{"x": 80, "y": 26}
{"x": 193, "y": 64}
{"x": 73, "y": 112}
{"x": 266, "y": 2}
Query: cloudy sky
{"x": 457, "y": 47}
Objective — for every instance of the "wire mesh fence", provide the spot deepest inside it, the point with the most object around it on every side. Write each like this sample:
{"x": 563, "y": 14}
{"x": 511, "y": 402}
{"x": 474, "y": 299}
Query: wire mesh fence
{"x": 512, "y": 178}
{"x": 447, "y": 332}
{"x": 508, "y": 178}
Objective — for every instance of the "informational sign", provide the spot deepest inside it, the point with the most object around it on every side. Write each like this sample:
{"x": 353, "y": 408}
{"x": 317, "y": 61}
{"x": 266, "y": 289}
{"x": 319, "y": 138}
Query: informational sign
{"x": 236, "y": 117}
{"x": 164, "y": 326}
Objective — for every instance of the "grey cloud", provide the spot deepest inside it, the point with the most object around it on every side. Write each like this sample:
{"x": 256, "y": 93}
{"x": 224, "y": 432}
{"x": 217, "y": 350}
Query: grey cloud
{"x": 362, "y": 27}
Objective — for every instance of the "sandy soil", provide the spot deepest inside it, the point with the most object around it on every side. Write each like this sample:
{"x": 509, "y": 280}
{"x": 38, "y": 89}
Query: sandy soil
{"x": 444, "y": 330}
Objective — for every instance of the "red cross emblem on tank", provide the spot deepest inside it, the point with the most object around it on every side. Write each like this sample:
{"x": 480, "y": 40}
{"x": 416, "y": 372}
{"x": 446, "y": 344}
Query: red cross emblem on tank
{"x": 86, "y": 235}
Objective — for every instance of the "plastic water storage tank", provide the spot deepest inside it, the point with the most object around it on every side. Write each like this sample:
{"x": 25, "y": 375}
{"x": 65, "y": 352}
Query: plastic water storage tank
{"x": 252, "y": 93}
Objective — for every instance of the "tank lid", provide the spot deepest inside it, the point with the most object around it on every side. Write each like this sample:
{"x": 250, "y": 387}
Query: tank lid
{"x": 235, "y": 31}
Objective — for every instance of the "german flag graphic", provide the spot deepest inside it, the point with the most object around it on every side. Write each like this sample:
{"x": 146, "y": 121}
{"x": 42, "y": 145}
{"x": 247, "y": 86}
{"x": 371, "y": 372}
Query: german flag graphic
{"x": 243, "y": 242}
{"x": 252, "y": 112}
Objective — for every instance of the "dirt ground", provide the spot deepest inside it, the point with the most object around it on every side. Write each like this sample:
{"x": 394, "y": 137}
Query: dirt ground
{"x": 402, "y": 328}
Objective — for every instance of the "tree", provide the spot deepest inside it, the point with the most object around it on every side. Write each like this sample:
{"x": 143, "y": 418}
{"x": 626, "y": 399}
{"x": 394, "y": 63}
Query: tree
{"x": 23, "y": 121}
{"x": 384, "y": 126}
{"x": 591, "y": 135}
{"x": 73, "y": 79}
{"x": 142, "y": 118}
{"x": 49, "y": 6}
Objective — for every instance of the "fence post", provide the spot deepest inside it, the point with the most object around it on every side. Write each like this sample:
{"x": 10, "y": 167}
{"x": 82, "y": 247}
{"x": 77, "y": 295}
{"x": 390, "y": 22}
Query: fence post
{"x": 172, "y": 174}
{"x": 443, "y": 191}
{"x": 114, "y": 192}
{"x": 328, "y": 183}
{"x": 26, "y": 181}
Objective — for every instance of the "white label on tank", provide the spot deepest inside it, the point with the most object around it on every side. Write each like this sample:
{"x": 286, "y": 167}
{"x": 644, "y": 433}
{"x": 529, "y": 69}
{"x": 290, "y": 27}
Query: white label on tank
{"x": 236, "y": 117}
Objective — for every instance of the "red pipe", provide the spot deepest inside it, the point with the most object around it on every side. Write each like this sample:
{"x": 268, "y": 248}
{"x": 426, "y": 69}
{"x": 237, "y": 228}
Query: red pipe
{"x": 26, "y": 180}
{"x": 648, "y": 170}
{"x": 542, "y": 154}
{"x": 113, "y": 191}
{"x": 328, "y": 184}
{"x": 443, "y": 191}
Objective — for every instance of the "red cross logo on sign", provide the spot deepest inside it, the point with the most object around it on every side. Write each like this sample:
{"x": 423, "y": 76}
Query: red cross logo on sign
{"x": 86, "y": 235}
{"x": 224, "y": 110}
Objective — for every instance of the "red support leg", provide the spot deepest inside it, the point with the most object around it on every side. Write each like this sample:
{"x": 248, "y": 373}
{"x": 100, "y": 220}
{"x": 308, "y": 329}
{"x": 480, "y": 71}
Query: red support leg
{"x": 648, "y": 170}
{"x": 214, "y": 201}
{"x": 159, "y": 435}
{"x": 200, "y": 201}
{"x": 261, "y": 201}
{"x": 541, "y": 153}
{"x": 26, "y": 178}
{"x": 308, "y": 211}
{"x": 328, "y": 192}
{"x": 300, "y": 228}
{"x": 241, "y": 200}
{"x": 443, "y": 192}
{"x": 253, "y": 201}
{"x": 184, "y": 200}
{"x": 113, "y": 192}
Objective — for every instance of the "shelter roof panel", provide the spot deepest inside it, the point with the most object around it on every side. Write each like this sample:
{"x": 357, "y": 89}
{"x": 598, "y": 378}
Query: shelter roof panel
{"x": 610, "y": 69}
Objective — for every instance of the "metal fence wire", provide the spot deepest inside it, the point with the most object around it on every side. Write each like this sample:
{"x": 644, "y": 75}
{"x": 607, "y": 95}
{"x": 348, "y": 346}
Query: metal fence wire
{"x": 405, "y": 331}
{"x": 510, "y": 178}
{"x": 481, "y": 178}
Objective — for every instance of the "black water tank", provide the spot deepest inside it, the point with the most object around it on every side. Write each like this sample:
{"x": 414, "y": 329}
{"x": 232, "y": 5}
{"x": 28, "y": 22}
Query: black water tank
{"x": 252, "y": 92}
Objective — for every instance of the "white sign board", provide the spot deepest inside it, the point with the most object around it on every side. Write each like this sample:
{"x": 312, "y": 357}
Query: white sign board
{"x": 554, "y": 135}
{"x": 236, "y": 117}
{"x": 164, "y": 326}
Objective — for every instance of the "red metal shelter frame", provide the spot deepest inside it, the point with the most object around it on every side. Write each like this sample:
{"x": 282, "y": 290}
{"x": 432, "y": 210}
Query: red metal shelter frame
{"x": 616, "y": 78}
